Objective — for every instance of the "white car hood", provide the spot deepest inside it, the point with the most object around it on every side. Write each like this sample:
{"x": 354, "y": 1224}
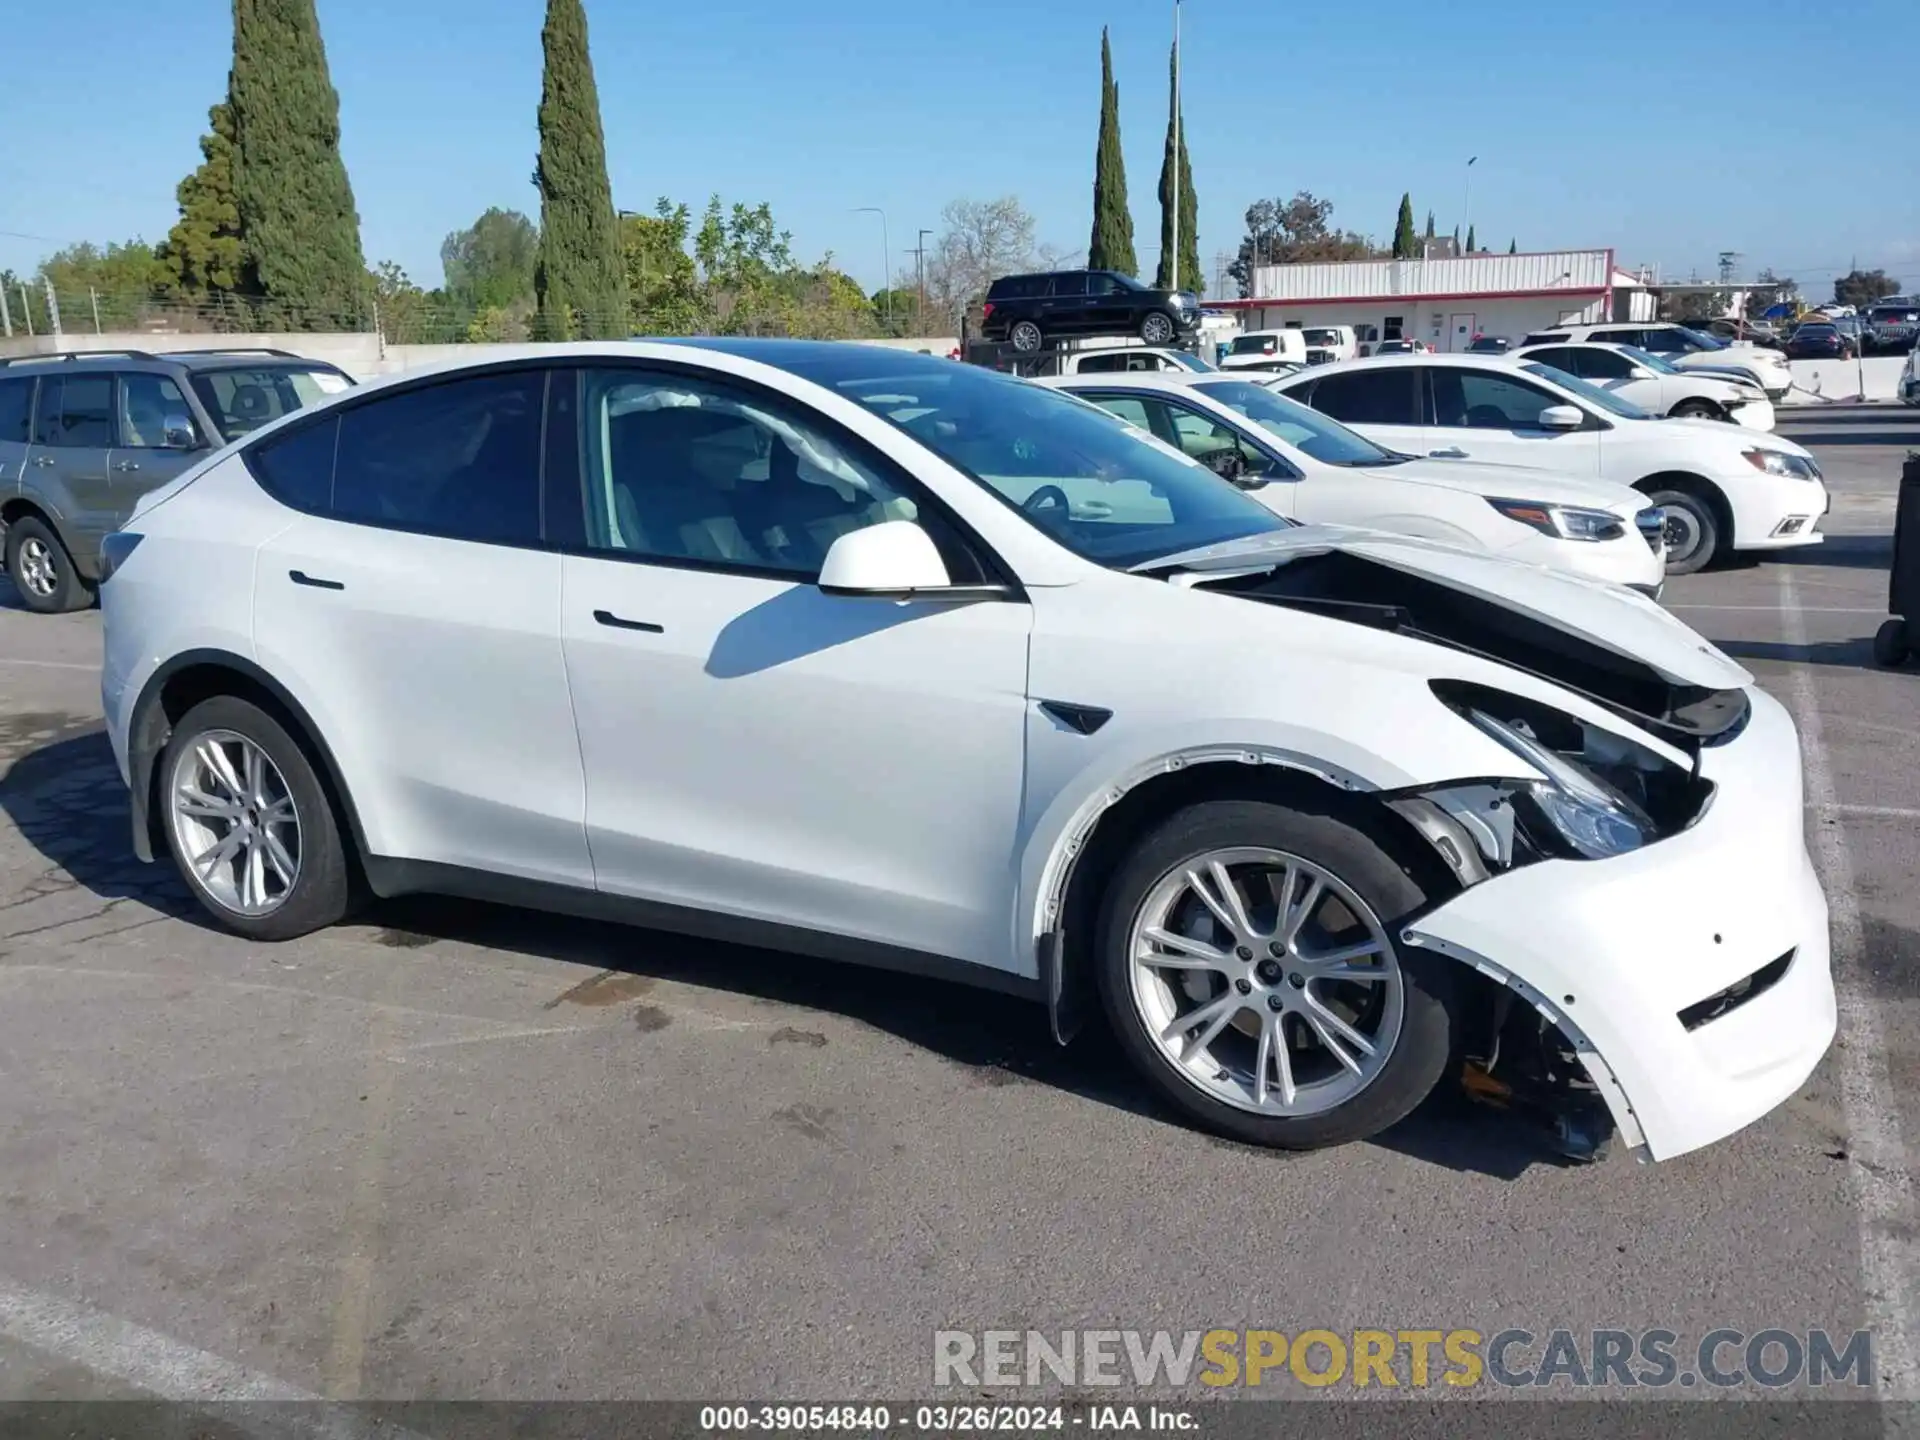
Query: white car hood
{"x": 1518, "y": 482}
{"x": 1608, "y": 616}
{"x": 1737, "y": 436}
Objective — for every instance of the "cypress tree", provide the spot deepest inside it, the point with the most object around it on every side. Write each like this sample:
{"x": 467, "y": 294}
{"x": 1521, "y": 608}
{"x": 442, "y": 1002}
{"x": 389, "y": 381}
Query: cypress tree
{"x": 299, "y": 233}
{"x": 1513, "y": 247}
{"x": 1112, "y": 245}
{"x": 1191, "y": 277}
{"x": 202, "y": 251}
{"x": 580, "y": 281}
{"x": 1404, "y": 243}
{"x": 1470, "y": 245}
{"x": 1429, "y": 225}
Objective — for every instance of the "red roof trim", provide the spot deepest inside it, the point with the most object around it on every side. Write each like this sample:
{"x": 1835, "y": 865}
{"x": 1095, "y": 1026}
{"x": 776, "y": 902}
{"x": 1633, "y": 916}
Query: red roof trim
{"x": 1557, "y": 291}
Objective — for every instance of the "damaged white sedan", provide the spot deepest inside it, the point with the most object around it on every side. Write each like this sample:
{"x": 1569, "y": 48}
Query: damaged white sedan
{"x": 875, "y": 657}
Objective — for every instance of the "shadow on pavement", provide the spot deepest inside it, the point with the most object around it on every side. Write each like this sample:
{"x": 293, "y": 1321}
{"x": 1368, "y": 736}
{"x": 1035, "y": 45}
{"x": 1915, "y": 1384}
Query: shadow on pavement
{"x": 64, "y": 795}
{"x": 1851, "y": 552}
{"x": 1847, "y": 654}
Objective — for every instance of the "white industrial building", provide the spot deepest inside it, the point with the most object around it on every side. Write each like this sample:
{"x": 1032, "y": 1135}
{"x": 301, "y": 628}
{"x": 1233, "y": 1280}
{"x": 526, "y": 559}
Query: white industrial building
{"x": 1447, "y": 301}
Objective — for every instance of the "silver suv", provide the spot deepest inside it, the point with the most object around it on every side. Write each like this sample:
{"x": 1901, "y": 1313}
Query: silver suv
{"x": 85, "y": 434}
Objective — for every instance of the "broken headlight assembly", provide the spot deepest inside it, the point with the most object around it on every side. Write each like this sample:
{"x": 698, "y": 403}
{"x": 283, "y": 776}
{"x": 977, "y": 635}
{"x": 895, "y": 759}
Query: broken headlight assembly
{"x": 1600, "y": 794}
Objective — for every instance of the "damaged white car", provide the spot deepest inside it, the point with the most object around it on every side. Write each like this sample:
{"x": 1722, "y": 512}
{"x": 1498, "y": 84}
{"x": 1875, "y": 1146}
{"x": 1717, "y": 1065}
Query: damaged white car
{"x": 876, "y": 657}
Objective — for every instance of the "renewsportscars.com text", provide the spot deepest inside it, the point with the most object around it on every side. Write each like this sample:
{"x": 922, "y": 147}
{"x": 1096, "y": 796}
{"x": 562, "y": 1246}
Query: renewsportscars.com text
{"x": 1404, "y": 1359}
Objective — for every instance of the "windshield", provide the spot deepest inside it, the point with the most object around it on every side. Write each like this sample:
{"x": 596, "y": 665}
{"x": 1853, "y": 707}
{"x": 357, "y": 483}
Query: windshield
{"x": 1593, "y": 394}
{"x": 244, "y": 398}
{"x": 1321, "y": 337}
{"x": 1255, "y": 345}
{"x": 1191, "y": 362}
{"x": 1703, "y": 341}
{"x": 1107, "y": 491}
{"x": 1649, "y": 359}
{"x": 1320, "y": 436}
{"x": 1125, "y": 282}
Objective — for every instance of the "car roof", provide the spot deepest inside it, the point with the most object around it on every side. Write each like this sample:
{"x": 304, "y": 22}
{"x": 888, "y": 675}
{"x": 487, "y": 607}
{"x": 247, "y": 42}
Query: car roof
{"x": 1133, "y": 379}
{"x": 1373, "y": 363}
{"x": 163, "y": 361}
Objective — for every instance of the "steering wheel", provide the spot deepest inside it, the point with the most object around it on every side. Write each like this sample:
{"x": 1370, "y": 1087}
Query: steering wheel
{"x": 1046, "y": 500}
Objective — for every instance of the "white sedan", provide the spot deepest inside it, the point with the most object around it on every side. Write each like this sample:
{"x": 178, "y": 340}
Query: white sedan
{"x": 877, "y": 658}
{"x": 1723, "y": 487}
{"x": 1645, "y": 380}
{"x": 1310, "y": 467}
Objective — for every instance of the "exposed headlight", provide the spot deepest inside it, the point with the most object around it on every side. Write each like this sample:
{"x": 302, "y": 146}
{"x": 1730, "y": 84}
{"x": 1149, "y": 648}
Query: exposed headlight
{"x": 1563, "y": 522}
{"x": 1591, "y": 817}
{"x": 1778, "y": 462}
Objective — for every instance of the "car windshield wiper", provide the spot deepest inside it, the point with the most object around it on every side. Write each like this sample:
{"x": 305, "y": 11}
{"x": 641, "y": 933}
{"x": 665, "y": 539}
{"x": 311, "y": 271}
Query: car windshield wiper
{"x": 1385, "y": 458}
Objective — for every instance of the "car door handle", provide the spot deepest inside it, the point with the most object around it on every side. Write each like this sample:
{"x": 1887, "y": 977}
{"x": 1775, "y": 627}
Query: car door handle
{"x": 300, "y": 577}
{"x": 127, "y": 465}
{"x": 607, "y": 617}
{"x": 1452, "y": 452}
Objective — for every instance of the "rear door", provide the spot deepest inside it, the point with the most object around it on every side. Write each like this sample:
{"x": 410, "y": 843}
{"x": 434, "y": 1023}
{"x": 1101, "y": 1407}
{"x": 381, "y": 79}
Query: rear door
{"x": 1382, "y": 402}
{"x": 156, "y": 437}
{"x": 16, "y": 430}
{"x": 67, "y": 472}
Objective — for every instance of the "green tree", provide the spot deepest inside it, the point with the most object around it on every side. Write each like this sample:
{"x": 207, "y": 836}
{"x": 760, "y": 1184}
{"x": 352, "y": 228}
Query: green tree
{"x": 116, "y": 282}
{"x": 663, "y": 286}
{"x": 1404, "y": 242}
{"x": 1289, "y": 232}
{"x": 489, "y": 265}
{"x": 1191, "y": 276}
{"x": 202, "y": 253}
{"x": 299, "y": 233}
{"x": 580, "y": 280}
{"x": 1429, "y": 225}
{"x": 1863, "y": 287}
{"x": 1112, "y": 245}
{"x": 1471, "y": 247}
{"x": 1513, "y": 247}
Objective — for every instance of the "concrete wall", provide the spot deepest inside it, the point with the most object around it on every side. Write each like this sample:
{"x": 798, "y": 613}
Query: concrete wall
{"x": 363, "y": 356}
{"x": 1818, "y": 381}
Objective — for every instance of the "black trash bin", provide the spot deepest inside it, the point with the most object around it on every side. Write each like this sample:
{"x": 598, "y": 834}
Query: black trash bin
{"x": 1899, "y": 637}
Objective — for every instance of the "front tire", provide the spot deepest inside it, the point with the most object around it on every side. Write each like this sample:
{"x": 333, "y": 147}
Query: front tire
{"x": 1890, "y": 644}
{"x": 1026, "y": 337}
{"x": 42, "y": 570}
{"x": 248, "y": 823}
{"x": 1156, "y": 329}
{"x": 1249, "y": 964}
{"x": 1697, "y": 410}
{"x": 1693, "y": 531}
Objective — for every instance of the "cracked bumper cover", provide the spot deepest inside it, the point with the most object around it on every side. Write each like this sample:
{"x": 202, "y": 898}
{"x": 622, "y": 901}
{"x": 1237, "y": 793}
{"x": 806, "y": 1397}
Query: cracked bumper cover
{"x": 1614, "y": 949}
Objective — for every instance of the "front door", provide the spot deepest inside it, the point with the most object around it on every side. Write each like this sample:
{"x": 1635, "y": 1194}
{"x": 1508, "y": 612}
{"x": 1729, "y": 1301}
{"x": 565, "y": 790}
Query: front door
{"x": 753, "y": 746}
{"x": 156, "y": 439}
{"x": 1495, "y": 415}
{"x": 68, "y": 470}
{"x": 416, "y": 616}
{"x": 1460, "y": 332}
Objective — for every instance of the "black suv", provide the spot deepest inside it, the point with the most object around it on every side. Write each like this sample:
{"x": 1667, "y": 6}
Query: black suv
{"x": 1029, "y": 310}
{"x": 84, "y": 434}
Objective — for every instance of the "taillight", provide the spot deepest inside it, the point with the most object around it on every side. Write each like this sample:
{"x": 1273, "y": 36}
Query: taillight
{"x": 986, "y": 310}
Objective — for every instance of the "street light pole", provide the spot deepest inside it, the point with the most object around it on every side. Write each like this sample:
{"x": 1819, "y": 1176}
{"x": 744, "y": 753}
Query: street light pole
{"x": 886, "y": 255}
{"x": 1467, "y": 204}
{"x": 920, "y": 273}
{"x": 1173, "y": 160}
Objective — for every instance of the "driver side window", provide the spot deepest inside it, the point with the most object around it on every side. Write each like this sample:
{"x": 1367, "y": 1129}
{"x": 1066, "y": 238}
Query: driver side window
{"x": 1481, "y": 400}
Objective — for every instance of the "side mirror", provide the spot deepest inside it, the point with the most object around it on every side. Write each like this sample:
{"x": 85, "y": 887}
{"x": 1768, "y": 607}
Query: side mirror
{"x": 1562, "y": 417}
{"x": 177, "y": 433}
{"x": 891, "y": 560}
{"x": 1641, "y": 372}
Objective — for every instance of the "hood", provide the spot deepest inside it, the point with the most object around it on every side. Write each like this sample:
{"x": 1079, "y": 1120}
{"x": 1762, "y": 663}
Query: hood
{"x": 1601, "y": 639}
{"x": 1518, "y": 482}
{"x": 1743, "y": 438}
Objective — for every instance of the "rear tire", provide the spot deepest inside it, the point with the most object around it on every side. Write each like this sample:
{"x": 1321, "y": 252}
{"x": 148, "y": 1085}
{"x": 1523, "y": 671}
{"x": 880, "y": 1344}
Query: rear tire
{"x": 42, "y": 570}
{"x": 1693, "y": 531}
{"x": 1406, "y": 1008}
{"x": 216, "y": 826}
{"x": 1890, "y": 644}
{"x": 1026, "y": 337}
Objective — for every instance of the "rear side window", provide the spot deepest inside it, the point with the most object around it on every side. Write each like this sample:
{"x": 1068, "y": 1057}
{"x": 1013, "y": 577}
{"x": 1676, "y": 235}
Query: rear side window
{"x": 16, "y": 411}
{"x": 76, "y": 411}
{"x": 1073, "y": 282}
{"x": 243, "y": 400}
{"x": 296, "y": 467}
{"x": 1018, "y": 287}
{"x": 1547, "y": 337}
{"x": 1563, "y": 357}
{"x": 1370, "y": 397}
{"x": 460, "y": 458}
{"x": 1102, "y": 364}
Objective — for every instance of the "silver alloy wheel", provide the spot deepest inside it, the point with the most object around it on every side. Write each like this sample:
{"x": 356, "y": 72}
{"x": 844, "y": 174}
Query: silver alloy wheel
{"x": 1156, "y": 329}
{"x": 1683, "y": 534}
{"x": 37, "y": 571}
{"x": 235, "y": 823}
{"x": 1266, "y": 982}
{"x": 1025, "y": 336}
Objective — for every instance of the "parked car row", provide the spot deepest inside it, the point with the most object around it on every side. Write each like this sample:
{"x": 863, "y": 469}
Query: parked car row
{"x": 876, "y": 657}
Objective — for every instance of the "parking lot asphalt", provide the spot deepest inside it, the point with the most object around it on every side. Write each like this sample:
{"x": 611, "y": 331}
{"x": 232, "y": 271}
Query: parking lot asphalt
{"x": 459, "y": 1151}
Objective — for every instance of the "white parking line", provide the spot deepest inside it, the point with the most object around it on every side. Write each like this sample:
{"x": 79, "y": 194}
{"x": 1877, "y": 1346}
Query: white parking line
{"x": 47, "y": 664}
{"x": 169, "y": 1369}
{"x": 1804, "y": 609}
{"x": 1877, "y": 1169}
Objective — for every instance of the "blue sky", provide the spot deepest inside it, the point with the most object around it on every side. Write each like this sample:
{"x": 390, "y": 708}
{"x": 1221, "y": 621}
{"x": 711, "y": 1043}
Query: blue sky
{"x": 1671, "y": 132}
